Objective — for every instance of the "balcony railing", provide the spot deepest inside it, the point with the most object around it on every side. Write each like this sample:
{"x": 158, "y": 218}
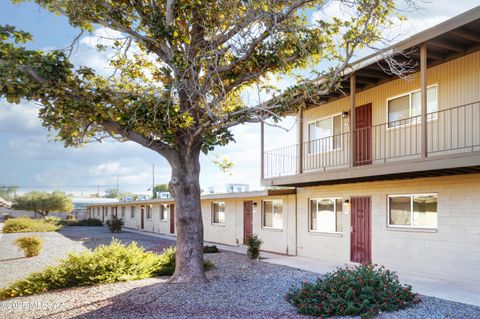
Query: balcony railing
{"x": 449, "y": 131}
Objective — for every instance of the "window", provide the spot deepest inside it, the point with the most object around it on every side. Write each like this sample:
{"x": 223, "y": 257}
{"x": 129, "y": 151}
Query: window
{"x": 400, "y": 109}
{"x": 272, "y": 214}
{"x": 218, "y": 213}
{"x": 164, "y": 209}
{"x": 123, "y": 212}
{"x": 418, "y": 210}
{"x": 325, "y": 134}
{"x": 132, "y": 212}
{"x": 149, "y": 212}
{"x": 326, "y": 215}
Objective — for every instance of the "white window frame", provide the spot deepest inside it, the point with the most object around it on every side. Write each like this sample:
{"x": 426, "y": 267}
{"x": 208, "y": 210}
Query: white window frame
{"x": 330, "y": 149}
{"x": 411, "y": 210}
{"x": 407, "y": 122}
{"x": 167, "y": 207}
{"x": 213, "y": 213}
{"x": 149, "y": 211}
{"x": 263, "y": 213}
{"x": 132, "y": 212}
{"x": 334, "y": 199}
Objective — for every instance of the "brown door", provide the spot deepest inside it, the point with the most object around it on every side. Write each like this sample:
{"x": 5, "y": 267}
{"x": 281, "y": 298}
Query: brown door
{"x": 172, "y": 219}
{"x": 247, "y": 219}
{"x": 142, "y": 216}
{"x": 103, "y": 214}
{"x": 360, "y": 237}
{"x": 363, "y": 135}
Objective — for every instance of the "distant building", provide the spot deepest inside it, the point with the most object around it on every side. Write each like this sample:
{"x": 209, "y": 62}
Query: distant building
{"x": 237, "y": 188}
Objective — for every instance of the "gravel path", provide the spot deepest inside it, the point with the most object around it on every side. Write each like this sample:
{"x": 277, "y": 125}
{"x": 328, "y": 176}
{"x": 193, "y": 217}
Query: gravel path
{"x": 238, "y": 288}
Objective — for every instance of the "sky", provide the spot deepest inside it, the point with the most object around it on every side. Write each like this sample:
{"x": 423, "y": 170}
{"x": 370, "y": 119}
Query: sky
{"x": 31, "y": 159}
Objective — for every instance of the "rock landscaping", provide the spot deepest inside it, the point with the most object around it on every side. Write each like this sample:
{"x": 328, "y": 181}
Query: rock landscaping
{"x": 238, "y": 288}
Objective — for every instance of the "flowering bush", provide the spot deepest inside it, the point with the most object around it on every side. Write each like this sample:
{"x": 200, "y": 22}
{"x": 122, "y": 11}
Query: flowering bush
{"x": 362, "y": 291}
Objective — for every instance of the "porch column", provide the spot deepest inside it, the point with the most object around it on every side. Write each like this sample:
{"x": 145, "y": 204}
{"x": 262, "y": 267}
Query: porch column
{"x": 262, "y": 150}
{"x": 423, "y": 98}
{"x": 353, "y": 146}
{"x": 299, "y": 157}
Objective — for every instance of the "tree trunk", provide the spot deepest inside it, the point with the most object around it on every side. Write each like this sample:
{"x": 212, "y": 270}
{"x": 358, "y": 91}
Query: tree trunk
{"x": 185, "y": 188}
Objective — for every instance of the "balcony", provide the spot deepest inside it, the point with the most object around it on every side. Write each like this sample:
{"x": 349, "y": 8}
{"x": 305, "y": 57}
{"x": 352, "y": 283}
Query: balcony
{"x": 384, "y": 151}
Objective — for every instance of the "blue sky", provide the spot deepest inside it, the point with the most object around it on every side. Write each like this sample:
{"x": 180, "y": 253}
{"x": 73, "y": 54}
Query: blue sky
{"x": 30, "y": 159}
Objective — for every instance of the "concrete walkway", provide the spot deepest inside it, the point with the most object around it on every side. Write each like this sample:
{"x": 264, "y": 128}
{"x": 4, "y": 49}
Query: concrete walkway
{"x": 458, "y": 291}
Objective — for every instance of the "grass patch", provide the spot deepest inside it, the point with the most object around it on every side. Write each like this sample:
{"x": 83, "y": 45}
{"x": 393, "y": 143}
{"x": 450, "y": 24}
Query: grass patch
{"x": 105, "y": 264}
{"x": 27, "y": 225}
{"x": 363, "y": 290}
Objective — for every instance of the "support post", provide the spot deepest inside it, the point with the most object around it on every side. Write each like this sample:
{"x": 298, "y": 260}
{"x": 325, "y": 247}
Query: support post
{"x": 262, "y": 150}
{"x": 353, "y": 144}
{"x": 423, "y": 98}
{"x": 300, "y": 141}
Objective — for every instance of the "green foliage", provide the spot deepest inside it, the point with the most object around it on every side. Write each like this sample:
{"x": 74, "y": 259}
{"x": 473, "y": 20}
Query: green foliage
{"x": 27, "y": 225}
{"x": 44, "y": 203}
{"x": 160, "y": 188}
{"x": 8, "y": 192}
{"x": 254, "y": 243}
{"x": 359, "y": 291}
{"x": 208, "y": 265}
{"x": 115, "y": 224}
{"x": 83, "y": 222}
{"x": 31, "y": 245}
{"x": 187, "y": 54}
{"x": 70, "y": 217}
{"x": 105, "y": 264}
{"x": 7, "y": 217}
{"x": 210, "y": 249}
{"x": 54, "y": 220}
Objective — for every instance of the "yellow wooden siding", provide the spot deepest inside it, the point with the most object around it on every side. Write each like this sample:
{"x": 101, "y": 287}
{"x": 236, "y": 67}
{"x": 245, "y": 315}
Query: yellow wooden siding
{"x": 458, "y": 83}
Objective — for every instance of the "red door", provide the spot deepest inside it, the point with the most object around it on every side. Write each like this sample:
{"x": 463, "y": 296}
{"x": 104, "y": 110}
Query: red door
{"x": 172, "y": 219}
{"x": 363, "y": 135}
{"x": 360, "y": 237}
{"x": 247, "y": 219}
{"x": 142, "y": 216}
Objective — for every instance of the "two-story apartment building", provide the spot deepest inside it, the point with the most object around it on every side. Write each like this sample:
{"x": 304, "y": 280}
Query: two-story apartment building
{"x": 387, "y": 173}
{"x": 390, "y": 173}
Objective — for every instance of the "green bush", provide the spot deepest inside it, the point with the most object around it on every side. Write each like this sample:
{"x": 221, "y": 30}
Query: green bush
{"x": 7, "y": 217}
{"x": 115, "y": 224}
{"x": 210, "y": 249}
{"x": 254, "y": 243}
{"x": 31, "y": 245}
{"x": 26, "y": 224}
{"x": 70, "y": 217}
{"x": 105, "y": 264}
{"x": 359, "y": 291}
{"x": 208, "y": 265}
{"x": 53, "y": 220}
{"x": 83, "y": 222}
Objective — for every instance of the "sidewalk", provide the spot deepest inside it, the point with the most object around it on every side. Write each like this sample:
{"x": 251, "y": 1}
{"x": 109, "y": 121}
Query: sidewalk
{"x": 464, "y": 292}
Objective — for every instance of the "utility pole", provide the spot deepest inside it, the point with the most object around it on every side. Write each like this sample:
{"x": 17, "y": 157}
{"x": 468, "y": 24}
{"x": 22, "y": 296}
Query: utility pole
{"x": 118, "y": 194}
{"x": 153, "y": 180}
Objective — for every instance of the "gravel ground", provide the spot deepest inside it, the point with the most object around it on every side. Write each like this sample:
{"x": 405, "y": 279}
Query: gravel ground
{"x": 238, "y": 288}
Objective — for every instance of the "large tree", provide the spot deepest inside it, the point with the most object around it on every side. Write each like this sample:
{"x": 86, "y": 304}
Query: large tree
{"x": 180, "y": 67}
{"x": 43, "y": 203}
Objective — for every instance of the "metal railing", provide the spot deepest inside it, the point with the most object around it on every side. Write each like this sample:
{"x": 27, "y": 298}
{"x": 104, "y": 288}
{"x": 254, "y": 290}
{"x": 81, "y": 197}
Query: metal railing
{"x": 449, "y": 131}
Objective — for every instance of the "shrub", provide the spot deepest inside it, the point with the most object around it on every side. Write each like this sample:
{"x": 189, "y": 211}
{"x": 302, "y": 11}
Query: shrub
{"x": 254, "y": 243}
{"x": 208, "y": 265}
{"x": 359, "y": 291}
{"x": 114, "y": 224}
{"x": 105, "y": 264}
{"x": 70, "y": 217}
{"x": 7, "y": 217}
{"x": 53, "y": 220}
{"x": 210, "y": 249}
{"x": 26, "y": 224}
{"x": 83, "y": 222}
{"x": 31, "y": 245}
